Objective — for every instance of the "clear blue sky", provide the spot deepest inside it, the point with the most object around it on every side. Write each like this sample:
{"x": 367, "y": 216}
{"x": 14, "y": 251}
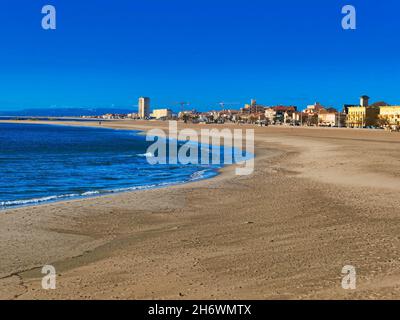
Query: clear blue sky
{"x": 107, "y": 53}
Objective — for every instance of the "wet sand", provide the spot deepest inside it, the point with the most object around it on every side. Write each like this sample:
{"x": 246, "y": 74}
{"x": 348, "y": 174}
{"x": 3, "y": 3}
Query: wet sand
{"x": 319, "y": 199}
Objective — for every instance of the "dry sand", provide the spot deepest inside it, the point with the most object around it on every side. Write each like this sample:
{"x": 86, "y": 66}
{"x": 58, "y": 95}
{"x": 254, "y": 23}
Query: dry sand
{"x": 319, "y": 199}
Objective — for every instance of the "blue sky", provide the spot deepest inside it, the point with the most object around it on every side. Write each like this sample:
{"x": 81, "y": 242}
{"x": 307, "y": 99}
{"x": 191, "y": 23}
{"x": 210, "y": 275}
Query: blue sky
{"x": 106, "y": 53}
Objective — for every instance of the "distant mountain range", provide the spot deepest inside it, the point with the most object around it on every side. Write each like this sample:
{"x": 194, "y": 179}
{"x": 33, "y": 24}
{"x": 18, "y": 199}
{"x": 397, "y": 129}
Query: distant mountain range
{"x": 64, "y": 112}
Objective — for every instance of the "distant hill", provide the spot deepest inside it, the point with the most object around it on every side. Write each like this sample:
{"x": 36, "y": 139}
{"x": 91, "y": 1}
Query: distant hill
{"x": 64, "y": 112}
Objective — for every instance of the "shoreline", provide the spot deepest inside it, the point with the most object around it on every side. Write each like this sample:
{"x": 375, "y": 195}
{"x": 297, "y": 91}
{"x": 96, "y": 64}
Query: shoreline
{"x": 314, "y": 204}
{"x": 69, "y": 198}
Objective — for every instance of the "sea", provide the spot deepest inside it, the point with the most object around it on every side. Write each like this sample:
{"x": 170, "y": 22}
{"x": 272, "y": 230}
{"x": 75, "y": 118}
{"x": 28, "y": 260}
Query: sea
{"x": 46, "y": 163}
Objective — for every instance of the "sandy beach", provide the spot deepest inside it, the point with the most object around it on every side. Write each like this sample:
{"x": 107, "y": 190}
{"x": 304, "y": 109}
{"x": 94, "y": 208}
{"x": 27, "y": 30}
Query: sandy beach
{"x": 319, "y": 199}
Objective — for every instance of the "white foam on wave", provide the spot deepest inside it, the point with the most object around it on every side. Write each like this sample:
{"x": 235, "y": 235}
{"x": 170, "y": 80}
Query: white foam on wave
{"x": 90, "y": 193}
{"x": 198, "y": 175}
{"x": 35, "y": 200}
{"x": 147, "y": 155}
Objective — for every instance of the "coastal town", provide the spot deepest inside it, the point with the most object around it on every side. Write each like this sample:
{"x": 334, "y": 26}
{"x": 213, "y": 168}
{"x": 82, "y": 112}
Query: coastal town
{"x": 377, "y": 115}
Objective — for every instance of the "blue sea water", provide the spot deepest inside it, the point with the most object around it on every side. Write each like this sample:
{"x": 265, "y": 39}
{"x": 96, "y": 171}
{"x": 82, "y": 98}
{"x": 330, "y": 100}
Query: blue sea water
{"x": 41, "y": 163}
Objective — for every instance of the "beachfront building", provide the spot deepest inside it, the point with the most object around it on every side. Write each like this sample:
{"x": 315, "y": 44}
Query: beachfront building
{"x": 252, "y": 108}
{"x": 326, "y": 118}
{"x": 132, "y": 116}
{"x": 144, "y": 107}
{"x": 299, "y": 118}
{"x": 162, "y": 114}
{"x": 362, "y": 115}
{"x": 252, "y": 118}
{"x": 331, "y": 118}
{"x": 228, "y": 115}
{"x": 313, "y": 108}
{"x": 364, "y": 101}
{"x": 280, "y": 114}
{"x": 205, "y": 117}
{"x": 188, "y": 115}
{"x": 113, "y": 116}
{"x": 270, "y": 114}
{"x": 389, "y": 116}
{"x": 311, "y": 113}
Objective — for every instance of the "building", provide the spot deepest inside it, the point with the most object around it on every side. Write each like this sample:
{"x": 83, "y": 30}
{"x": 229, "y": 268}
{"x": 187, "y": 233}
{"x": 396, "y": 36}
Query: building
{"x": 251, "y": 118}
{"x": 327, "y": 119}
{"x": 300, "y": 118}
{"x": 360, "y": 117}
{"x": 346, "y": 108}
{"x": 363, "y": 115}
{"x": 113, "y": 116}
{"x": 270, "y": 114}
{"x": 364, "y": 101}
{"x": 162, "y": 114}
{"x": 228, "y": 115}
{"x": 331, "y": 118}
{"x": 188, "y": 115}
{"x": 253, "y": 107}
{"x": 389, "y": 116}
{"x": 132, "y": 116}
{"x": 316, "y": 114}
{"x": 314, "y": 108}
{"x": 280, "y": 114}
{"x": 144, "y": 107}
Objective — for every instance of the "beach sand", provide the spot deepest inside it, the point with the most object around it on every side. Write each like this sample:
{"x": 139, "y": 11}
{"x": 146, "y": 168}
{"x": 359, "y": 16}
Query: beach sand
{"x": 319, "y": 199}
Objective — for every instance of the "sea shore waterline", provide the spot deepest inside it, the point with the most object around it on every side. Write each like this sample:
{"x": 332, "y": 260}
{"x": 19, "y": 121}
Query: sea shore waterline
{"x": 94, "y": 183}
